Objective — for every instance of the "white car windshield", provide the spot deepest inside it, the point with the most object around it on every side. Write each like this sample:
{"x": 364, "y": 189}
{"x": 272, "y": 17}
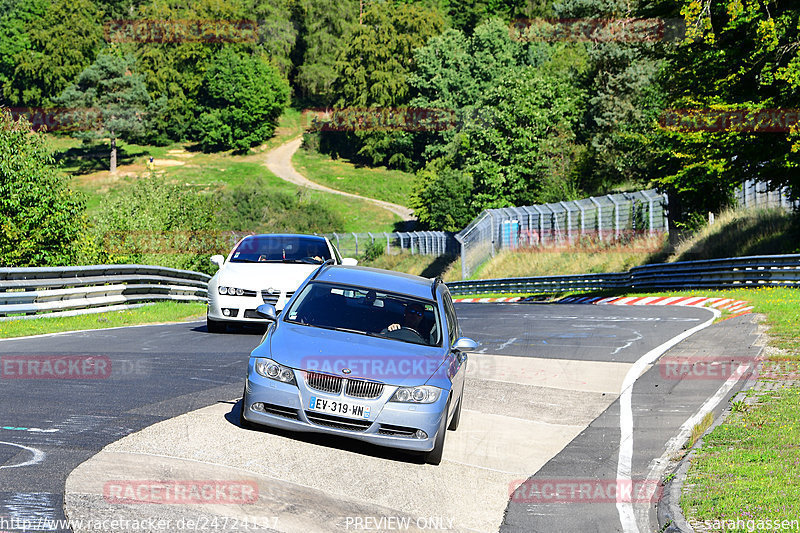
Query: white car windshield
{"x": 368, "y": 312}
{"x": 280, "y": 249}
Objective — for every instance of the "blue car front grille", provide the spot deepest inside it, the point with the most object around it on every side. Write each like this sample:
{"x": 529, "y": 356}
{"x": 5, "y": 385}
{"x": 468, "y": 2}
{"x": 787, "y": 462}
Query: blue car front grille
{"x": 324, "y": 382}
{"x": 357, "y": 388}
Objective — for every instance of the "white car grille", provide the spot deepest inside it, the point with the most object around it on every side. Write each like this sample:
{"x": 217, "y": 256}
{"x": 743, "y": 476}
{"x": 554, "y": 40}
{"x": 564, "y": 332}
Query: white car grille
{"x": 274, "y": 297}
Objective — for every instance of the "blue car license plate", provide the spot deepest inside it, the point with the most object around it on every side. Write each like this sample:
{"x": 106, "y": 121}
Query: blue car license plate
{"x": 340, "y": 408}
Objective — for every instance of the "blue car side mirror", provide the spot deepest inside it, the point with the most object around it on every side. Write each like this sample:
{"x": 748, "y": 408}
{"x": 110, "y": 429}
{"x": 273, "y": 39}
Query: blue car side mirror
{"x": 465, "y": 344}
{"x": 267, "y": 311}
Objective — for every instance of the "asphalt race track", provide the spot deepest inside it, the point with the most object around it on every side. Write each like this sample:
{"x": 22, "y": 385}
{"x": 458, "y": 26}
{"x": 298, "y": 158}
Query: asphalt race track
{"x": 542, "y": 408}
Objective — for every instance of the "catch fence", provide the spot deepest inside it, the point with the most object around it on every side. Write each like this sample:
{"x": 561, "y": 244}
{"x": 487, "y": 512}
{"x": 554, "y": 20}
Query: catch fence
{"x": 603, "y": 218}
{"x": 415, "y": 242}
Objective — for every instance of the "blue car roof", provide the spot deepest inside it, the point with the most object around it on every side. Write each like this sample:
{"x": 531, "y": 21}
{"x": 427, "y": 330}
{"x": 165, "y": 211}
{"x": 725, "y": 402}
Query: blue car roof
{"x": 378, "y": 279}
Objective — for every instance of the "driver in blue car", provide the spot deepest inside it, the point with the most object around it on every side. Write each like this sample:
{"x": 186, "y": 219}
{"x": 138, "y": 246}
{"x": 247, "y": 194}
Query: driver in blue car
{"x": 411, "y": 318}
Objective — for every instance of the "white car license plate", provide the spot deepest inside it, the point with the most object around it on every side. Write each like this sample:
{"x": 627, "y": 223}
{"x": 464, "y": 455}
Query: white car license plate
{"x": 336, "y": 407}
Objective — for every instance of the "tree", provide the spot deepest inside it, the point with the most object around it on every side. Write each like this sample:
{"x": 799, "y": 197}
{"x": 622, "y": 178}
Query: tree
{"x": 241, "y": 99}
{"x": 371, "y": 71}
{"x": 441, "y": 197}
{"x": 454, "y": 71}
{"x": 117, "y": 94}
{"x": 175, "y": 67}
{"x": 16, "y": 17}
{"x": 58, "y": 46}
{"x": 277, "y": 35}
{"x": 323, "y": 28}
{"x": 623, "y": 64}
{"x": 466, "y": 15}
{"x": 738, "y": 58}
{"x": 516, "y": 154}
{"x": 373, "y": 65}
{"x": 42, "y": 219}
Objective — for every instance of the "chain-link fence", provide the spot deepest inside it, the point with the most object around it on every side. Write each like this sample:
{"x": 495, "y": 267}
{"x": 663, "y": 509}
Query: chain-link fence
{"x": 416, "y": 242}
{"x": 605, "y": 218}
{"x": 754, "y": 194}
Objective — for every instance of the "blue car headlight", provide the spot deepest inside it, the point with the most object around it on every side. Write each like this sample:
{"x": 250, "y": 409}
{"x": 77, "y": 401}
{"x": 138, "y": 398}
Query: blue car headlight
{"x": 272, "y": 370}
{"x": 423, "y": 394}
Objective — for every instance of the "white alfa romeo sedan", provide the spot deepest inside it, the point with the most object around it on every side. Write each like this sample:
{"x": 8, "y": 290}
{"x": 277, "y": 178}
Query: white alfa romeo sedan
{"x": 263, "y": 269}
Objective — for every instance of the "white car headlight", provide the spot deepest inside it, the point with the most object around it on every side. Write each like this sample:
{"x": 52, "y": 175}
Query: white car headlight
{"x": 272, "y": 370}
{"x": 423, "y": 394}
{"x": 232, "y": 291}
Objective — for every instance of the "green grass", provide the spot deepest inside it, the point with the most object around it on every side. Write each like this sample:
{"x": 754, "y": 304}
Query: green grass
{"x": 206, "y": 173}
{"x": 428, "y": 266}
{"x": 388, "y": 185}
{"x": 153, "y": 313}
{"x": 749, "y": 466}
{"x": 586, "y": 258}
{"x": 742, "y": 233}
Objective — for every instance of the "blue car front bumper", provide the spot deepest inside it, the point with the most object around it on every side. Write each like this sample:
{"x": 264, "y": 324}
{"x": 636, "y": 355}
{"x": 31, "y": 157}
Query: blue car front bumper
{"x": 392, "y": 424}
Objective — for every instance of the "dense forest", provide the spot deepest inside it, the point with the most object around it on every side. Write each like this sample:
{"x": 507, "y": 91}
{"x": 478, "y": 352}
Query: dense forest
{"x": 547, "y": 100}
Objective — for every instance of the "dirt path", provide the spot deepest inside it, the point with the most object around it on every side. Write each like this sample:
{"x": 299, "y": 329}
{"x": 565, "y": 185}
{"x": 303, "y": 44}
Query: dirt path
{"x": 279, "y": 161}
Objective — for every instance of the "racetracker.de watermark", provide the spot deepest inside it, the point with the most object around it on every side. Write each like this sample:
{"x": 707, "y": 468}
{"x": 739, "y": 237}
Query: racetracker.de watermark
{"x": 180, "y": 492}
{"x": 622, "y": 30}
{"x": 59, "y": 118}
{"x": 419, "y": 119}
{"x": 584, "y": 491}
{"x": 730, "y": 120}
{"x": 720, "y": 368}
{"x": 171, "y": 242}
{"x": 55, "y": 367}
{"x": 180, "y": 30}
{"x": 389, "y": 368}
{"x": 122, "y": 522}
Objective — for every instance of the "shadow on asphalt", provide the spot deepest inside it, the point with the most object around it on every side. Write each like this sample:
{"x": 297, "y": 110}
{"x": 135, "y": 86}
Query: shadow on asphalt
{"x": 331, "y": 441}
{"x": 235, "y": 330}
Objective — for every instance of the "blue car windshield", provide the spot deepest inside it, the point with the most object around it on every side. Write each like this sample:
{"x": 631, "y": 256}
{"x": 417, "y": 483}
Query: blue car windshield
{"x": 281, "y": 249}
{"x": 367, "y": 311}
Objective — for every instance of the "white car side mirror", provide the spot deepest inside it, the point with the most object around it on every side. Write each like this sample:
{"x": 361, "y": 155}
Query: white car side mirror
{"x": 217, "y": 260}
{"x": 349, "y": 261}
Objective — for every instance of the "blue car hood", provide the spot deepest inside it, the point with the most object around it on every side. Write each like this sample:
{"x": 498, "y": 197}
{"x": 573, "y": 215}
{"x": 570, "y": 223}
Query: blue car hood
{"x": 329, "y": 351}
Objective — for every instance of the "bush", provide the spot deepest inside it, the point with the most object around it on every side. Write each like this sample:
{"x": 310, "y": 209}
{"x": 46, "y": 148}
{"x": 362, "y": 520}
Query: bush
{"x": 374, "y": 250}
{"x": 41, "y": 219}
{"x": 259, "y": 208}
{"x": 155, "y": 222}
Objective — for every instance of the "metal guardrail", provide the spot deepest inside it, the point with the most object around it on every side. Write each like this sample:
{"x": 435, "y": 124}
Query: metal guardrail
{"x": 62, "y": 291}
{"x": 736, "y": 272}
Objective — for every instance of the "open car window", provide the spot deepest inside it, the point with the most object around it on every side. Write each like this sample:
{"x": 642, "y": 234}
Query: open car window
{"x": 367, "y": 312}
{"x": 276, "y": 249}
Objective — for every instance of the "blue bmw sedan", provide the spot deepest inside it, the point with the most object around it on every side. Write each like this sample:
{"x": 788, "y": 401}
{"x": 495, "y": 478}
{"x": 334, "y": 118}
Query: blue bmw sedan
{"x": 365, "y": 353}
